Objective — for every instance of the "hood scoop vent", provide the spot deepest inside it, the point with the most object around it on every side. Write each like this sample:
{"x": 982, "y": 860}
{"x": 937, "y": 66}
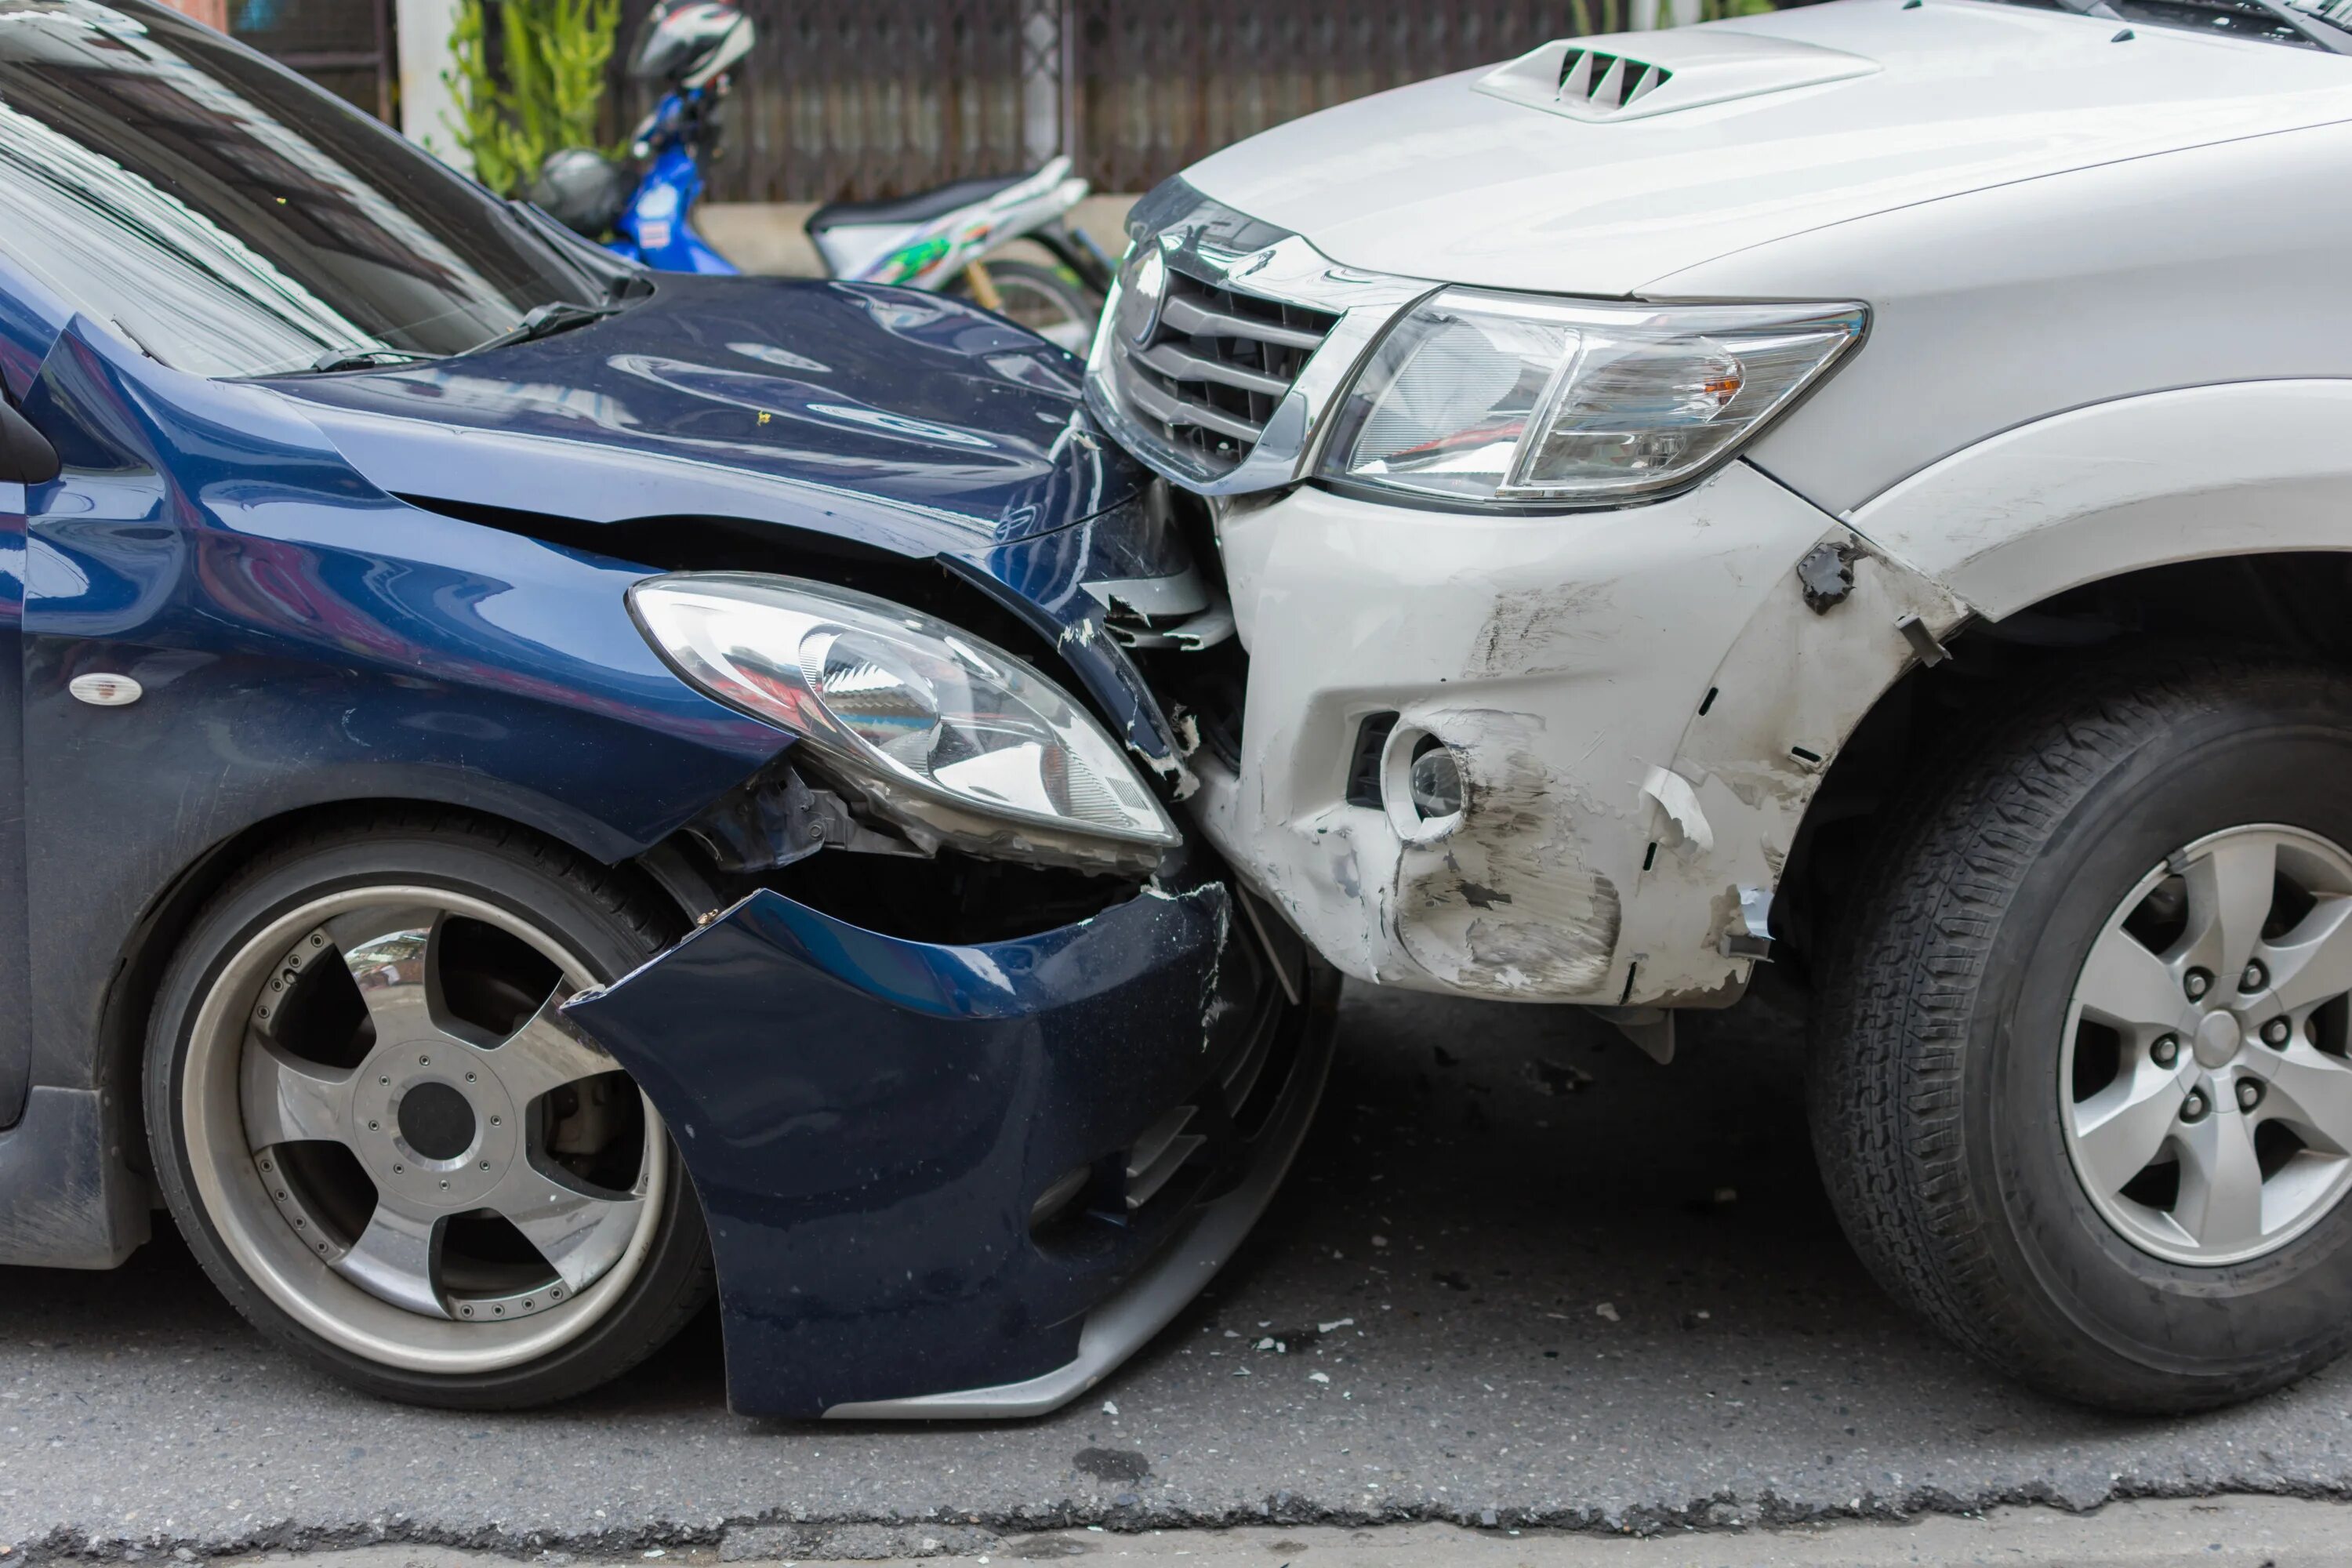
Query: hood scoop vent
{"x": 1605, "y": 83}
{"x": 1629, "y": 75}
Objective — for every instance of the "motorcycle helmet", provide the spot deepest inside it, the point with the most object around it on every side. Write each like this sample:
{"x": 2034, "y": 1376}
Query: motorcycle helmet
{"x": 581, "y": 189}
{"x": 688, "y": 43}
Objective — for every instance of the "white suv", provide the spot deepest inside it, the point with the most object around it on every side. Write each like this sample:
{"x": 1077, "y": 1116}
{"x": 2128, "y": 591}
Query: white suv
{"x": 1867, "y": 489}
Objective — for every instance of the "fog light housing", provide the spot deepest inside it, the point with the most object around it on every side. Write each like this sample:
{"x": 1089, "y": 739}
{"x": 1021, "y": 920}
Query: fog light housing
{"x": 1434, "y": 780}
{"x": 1424, "y": 787}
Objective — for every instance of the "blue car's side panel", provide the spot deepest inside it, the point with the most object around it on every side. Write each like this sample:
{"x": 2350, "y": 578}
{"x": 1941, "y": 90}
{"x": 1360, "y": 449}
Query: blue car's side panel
{"x": 15, "y": 1041}
{"x": 869, "y": 1121}
{"x": 302, "y": 639}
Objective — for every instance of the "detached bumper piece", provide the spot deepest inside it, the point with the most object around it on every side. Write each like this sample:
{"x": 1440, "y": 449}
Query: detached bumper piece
{"x": 968, "y": 1181}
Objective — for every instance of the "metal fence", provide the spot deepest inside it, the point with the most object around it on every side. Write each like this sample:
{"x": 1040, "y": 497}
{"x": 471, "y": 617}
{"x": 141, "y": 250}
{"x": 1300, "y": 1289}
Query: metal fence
{"x": 870, "y": 98}
{"x": 1163, "y": 86}
{"x": 862, "y": 99}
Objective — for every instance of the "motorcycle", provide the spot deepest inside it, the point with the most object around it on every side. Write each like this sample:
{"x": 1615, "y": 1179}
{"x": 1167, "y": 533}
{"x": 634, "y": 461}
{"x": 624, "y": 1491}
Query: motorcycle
{"x": 947, "y": 239}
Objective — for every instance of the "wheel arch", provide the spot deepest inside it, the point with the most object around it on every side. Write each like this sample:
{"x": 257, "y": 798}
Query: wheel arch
{"x": 2286, "y": 601}
{"x": 148, "y": 946}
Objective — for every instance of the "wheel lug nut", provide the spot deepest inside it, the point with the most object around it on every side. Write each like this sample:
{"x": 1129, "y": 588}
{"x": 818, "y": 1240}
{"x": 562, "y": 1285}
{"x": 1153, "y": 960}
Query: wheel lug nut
{"x": 2166, "y": 1051}
{"x": 2194, "y": 1108}
{"x": 424, "y": 1061}
{"x": 469, "y": 1077}
{"x": 486, "y": 1165}
{"x": 2276, "y": 1033}
{"x": 2250, "y": 1094}
{"x": 2197, "y": 983}
{"x": 371, "y": 1127}
{"x": 2254, "y": 978}
{"x": 494, "y": 1121}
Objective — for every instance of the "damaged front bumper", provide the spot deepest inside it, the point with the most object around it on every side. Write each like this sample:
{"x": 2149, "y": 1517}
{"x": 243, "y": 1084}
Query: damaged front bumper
{"x": 1640, "y": 704}
{"x": 969, "y": 1180}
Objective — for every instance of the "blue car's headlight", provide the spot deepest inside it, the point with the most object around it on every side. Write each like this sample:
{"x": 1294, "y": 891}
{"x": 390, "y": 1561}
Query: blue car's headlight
{"x": 950, "y": 737}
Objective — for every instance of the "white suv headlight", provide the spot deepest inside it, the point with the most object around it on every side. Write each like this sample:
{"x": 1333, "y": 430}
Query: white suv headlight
{"x": 1509, "y": 400}
{"x": 952, "y": 737}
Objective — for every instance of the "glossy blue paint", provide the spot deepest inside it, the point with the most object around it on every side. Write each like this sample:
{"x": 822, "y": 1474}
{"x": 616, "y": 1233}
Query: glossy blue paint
{"x": 912, "y": 423}
{"x": 869, "y": 1122}
{"x": 14, "y": 1055}
{"x": 657, "y": 228}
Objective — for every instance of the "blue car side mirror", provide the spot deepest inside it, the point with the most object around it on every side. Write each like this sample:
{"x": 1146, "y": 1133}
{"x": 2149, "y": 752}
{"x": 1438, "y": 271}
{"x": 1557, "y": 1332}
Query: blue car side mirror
{"x": 25, "y": 455}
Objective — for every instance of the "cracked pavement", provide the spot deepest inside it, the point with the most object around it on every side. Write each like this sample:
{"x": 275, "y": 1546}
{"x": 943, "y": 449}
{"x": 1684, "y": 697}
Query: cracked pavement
{"x": 1522, "y": 1276}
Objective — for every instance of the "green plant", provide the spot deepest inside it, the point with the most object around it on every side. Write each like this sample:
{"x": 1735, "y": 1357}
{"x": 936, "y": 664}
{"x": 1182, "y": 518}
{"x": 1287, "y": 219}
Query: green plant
{"x": 543, "y": 92}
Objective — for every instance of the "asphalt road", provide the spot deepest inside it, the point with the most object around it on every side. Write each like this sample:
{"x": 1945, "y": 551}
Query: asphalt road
{"x": 1522, "y": 1278}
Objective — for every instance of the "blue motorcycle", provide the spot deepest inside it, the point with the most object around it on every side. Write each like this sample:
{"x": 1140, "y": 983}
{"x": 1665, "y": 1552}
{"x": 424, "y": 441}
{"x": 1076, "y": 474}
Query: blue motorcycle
{"x": 941, "y": 240}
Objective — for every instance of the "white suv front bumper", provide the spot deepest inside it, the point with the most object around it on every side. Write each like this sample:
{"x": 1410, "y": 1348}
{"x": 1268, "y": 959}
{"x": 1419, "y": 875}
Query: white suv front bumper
{"x": 1642, "y": 703}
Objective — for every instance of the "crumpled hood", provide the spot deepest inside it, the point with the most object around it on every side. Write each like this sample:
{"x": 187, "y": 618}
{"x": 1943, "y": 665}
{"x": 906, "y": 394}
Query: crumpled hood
{"x": 912, "y": 420}
{"x": 1443, "y": 181}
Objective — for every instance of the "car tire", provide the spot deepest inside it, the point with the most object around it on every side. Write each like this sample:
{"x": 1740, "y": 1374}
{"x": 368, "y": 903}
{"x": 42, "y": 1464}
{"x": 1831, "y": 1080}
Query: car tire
{"x": 404, "y": 1166}
{"x": 1051, "y": 301}
{"x": 1978, "y": 1096}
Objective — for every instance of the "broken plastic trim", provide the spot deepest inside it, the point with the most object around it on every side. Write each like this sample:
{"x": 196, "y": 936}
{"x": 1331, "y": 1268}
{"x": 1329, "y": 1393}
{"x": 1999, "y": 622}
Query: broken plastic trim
{"x": 779, "y": 819}
{"x": 1183, "y": 611}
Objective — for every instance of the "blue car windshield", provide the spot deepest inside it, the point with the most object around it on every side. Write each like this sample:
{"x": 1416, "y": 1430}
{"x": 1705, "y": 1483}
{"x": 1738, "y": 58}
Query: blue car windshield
{"x": 230, "y": 219}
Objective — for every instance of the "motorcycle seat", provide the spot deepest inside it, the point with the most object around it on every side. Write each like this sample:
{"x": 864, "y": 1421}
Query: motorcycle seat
{"x": 920, "y": 207}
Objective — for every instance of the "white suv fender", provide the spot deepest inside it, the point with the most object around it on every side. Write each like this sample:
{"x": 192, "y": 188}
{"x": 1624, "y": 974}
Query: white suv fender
{"x": 2087, "y": 495}
{"x": 1834, "y": 632}
{"x": 2252, "y": 467}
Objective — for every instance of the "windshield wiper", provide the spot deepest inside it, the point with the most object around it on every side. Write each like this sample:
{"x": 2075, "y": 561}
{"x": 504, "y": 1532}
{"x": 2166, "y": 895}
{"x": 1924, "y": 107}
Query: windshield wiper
{"x": 545, "y": 321}
{"x": 360, "y": 359}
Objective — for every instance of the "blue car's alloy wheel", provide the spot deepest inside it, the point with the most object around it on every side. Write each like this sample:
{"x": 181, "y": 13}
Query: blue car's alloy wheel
{"x": 386, "y": 1143}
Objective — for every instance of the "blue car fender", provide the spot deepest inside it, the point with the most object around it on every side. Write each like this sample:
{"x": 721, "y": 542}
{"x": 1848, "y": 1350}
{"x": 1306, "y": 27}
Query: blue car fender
{"x": 300, "y": 638}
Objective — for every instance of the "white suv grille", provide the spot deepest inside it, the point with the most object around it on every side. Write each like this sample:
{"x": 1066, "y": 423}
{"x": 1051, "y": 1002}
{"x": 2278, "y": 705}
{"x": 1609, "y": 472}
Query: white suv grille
{"x": 1213, "y": 365}
{"x": 1227, "y": 341}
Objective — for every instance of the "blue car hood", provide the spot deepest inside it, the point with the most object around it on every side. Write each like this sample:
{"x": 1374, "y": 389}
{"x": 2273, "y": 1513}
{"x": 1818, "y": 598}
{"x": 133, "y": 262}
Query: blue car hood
{"x": 907, "y": 420}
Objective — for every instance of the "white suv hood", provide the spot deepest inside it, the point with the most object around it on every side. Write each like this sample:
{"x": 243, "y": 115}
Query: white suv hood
{"x": 1443, "y": 180}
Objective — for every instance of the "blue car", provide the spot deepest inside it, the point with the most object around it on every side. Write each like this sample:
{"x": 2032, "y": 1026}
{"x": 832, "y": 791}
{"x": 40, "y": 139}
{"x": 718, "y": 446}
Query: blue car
{"x": 532, "y": 793}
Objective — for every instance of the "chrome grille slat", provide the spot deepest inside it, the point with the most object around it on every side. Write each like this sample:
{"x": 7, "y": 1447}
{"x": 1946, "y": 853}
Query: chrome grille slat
{"x": 1190, "y": 316}
{"x": 1179, "y": 364}
{"x": 1171, "y": 410}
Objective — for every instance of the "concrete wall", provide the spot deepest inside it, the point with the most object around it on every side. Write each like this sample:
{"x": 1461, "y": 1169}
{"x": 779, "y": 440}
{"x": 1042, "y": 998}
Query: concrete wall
{"x": 427, "y": 108}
